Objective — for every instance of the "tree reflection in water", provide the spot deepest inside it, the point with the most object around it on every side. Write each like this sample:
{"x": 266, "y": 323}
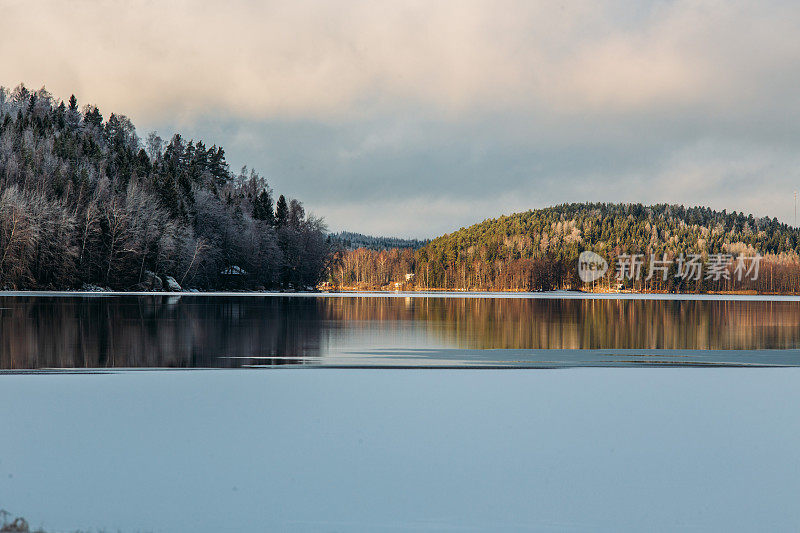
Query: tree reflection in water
{"x": 236, "y": 331}
{"x": 530, "y": 323}
{"x": 156, "y": 331}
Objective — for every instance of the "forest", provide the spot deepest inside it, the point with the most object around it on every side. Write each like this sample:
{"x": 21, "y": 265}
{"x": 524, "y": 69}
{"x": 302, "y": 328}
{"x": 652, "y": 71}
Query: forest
{"x": 85, "y": 202}
{"x": 539, "y": 249}
{"x": 353, "y": 241}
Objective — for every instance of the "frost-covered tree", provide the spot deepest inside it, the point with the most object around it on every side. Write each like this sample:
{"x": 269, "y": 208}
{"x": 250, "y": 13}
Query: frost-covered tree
{"x": 83, "y": 201}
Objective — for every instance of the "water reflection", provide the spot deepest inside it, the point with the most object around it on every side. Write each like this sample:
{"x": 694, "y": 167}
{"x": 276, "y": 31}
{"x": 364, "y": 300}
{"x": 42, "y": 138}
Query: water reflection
{"x": 484, "y": 323}
{"x": 155, "y": 331}
{"x": 220, "y": 331}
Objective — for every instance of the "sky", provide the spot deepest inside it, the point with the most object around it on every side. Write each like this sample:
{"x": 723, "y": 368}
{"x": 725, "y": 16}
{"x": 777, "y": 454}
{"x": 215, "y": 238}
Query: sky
{"x": 415, "y": 118}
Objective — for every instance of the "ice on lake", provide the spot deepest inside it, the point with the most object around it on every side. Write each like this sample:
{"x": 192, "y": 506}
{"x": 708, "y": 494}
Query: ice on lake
{"x": 386, "y": 413}
{"x": 396, "y": 450}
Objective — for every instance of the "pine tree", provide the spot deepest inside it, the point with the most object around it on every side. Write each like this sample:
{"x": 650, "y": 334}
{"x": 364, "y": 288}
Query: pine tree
{"x": 198, "y": 162}
{"x": 262, "y": 208}
{"x": 217, "y": 165}
{"x": 60, "y": 114}
{"x": 73, "y": 115}
{"x": 281, "y": 212}
{"x": 91, "y": 115}
{"x": 170, "y": 196}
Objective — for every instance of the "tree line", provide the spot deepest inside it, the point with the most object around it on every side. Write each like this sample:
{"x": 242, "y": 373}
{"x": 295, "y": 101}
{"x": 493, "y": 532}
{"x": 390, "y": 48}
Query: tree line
{"x": 353, "y": 241}
{"x": 83, "y": 200}
{"x": 539, "y": 249}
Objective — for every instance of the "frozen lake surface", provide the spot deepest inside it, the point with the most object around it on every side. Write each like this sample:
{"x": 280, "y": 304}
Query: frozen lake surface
{"x": 635, "y": 449}
{"x": 376, "y": 412}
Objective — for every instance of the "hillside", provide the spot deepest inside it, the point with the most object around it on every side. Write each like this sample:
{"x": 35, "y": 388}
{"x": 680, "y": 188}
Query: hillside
{"x": 564, "y": 230}
{"x": 353, "y": 241}
{"x": 83, "y": 200}
{"x": 538, "y": 249}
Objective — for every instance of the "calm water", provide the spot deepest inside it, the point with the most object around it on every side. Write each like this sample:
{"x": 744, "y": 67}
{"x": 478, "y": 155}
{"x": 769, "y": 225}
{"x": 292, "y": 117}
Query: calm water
{"x": 306, "y": 449}
{"x": 40, "y": 332}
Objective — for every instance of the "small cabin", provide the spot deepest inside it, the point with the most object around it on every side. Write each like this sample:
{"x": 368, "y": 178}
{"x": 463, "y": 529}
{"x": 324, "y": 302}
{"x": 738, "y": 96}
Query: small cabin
{"x": 234, "y": 276}
{"x": 233, "y": 270}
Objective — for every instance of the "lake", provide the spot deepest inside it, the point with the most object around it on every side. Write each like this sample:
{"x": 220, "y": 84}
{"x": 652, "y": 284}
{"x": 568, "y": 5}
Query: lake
{"x": 320, "y": 413}
{"x": 497, "y": 331}
{"x": 364, "y": 450}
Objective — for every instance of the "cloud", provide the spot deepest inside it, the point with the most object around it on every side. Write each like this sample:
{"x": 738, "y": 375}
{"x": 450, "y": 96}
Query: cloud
{"x": 463, "y": 107}
{"x": 309, "y": 59}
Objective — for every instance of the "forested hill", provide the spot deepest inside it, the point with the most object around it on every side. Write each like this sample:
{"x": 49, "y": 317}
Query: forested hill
{"x": 565, "y": 230}
{"x": 84, "y": 200}
{"x": 538, "y": 250}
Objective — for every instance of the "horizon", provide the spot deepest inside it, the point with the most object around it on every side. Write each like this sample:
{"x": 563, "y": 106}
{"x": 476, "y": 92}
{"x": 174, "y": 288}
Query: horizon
{"x": 411, "y": 120}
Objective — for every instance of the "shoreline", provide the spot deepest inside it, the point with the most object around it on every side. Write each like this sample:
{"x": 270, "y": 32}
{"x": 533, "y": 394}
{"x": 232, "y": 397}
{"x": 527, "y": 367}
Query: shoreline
{"x": 550, "y": 295}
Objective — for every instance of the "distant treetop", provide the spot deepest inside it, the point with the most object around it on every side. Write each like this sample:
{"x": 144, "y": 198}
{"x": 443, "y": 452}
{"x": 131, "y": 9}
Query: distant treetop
{"x": 564, "y": 230}
{"x": 353, "y": 241}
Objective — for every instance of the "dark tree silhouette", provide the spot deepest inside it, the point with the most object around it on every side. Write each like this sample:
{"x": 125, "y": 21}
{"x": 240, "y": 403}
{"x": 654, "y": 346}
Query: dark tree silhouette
{"x": 281, "y": 212}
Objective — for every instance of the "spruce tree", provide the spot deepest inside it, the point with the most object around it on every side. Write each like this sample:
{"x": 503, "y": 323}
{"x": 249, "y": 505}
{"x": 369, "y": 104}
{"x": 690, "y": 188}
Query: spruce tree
{"x": 262, "y": 208}
{"x": 170, "y": 196}
{"x": 217, "y": 165}
{"x": 281, "y": 212}
{"x": 60, "y": 116}
{"x": 92, "y": 116}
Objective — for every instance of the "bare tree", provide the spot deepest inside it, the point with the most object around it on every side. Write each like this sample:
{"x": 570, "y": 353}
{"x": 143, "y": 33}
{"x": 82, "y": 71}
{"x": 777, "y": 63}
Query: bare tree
{"x": 18, "y": 234}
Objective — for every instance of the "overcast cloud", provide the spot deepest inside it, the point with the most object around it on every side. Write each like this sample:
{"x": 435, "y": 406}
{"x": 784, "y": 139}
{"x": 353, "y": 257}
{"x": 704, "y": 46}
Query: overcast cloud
{"x": 414, "y": 118}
